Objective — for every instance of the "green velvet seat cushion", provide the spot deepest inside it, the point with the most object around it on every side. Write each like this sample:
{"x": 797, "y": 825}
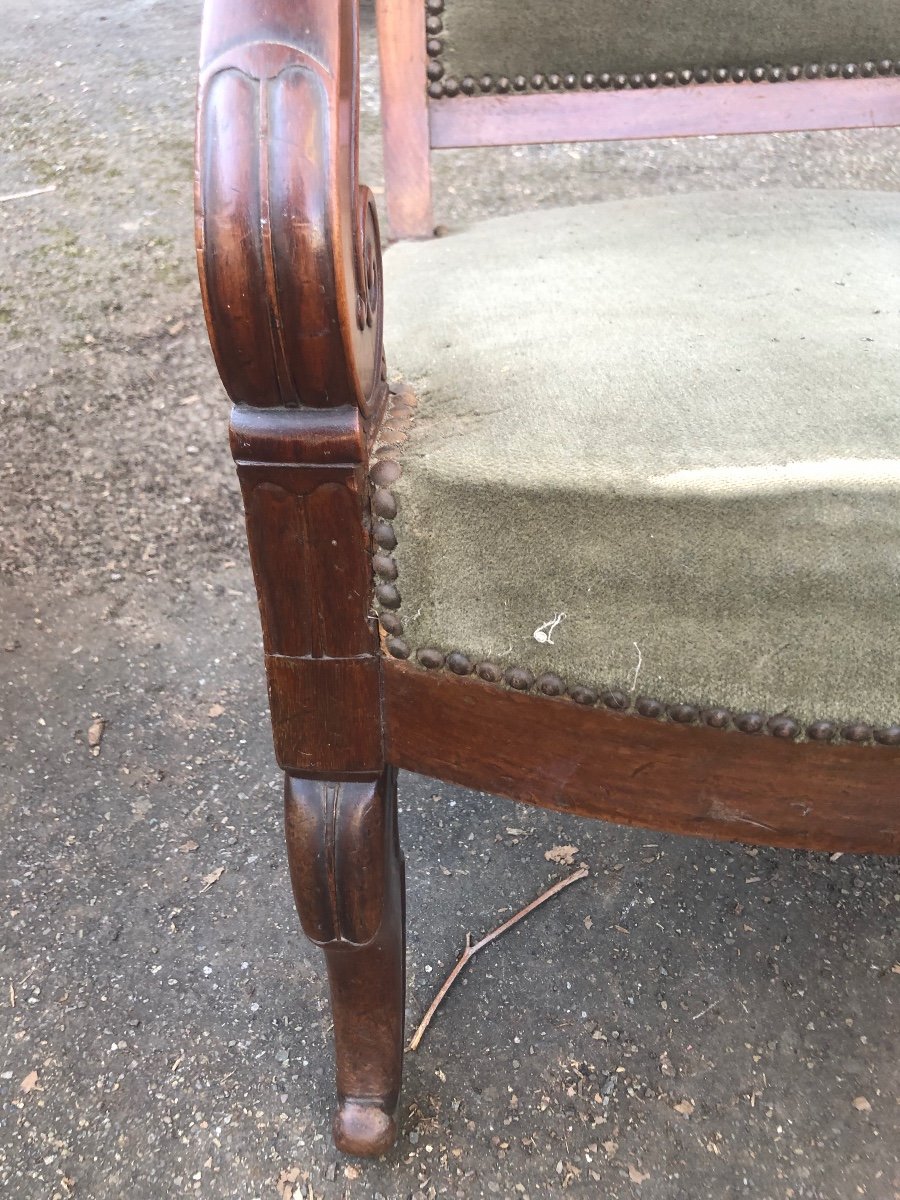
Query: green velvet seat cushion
{"x": 521, "y": 37}
{"x": 673, "y": 420}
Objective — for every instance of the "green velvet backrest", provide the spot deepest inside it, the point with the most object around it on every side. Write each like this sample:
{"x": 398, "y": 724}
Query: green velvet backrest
{"x": 526, "y": 45}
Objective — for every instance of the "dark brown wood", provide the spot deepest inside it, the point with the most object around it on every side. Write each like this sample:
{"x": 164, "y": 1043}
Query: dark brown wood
{"x": 404, "y": 117}
{"x": 309, "y": 549}
{"x": 347, "y": 876}
{"x": 290, "y": 269}
{"x": 325, "y": 715}
{"x": 625, "y": 768}
{"x": 695, "y": 109}
{"x": 328, "y": 435}
{"x": 287, "y": 240}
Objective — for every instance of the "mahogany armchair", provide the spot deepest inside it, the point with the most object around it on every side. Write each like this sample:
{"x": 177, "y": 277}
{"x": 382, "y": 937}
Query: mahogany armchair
{"x": 623, "y": 539}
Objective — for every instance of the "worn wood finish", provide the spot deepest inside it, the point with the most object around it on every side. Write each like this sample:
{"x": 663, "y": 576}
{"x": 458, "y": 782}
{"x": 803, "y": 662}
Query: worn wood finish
{"x": 347, "y": 877}
{"x": 329, "y": 435}
{"x": 635, "y": 771}
{"x": 308, "y": 547}
{"x": 287, "y": 240}
{"x": 404, "y": 117}
{"x": 709, "y": 108}
{"x": 307, "y": 543}
{"x": 290, "y": 269}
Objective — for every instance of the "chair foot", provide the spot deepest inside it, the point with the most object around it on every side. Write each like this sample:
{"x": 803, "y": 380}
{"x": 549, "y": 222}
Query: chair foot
{"x": 364, "y": 1129}
{"x": 347, "y": 876}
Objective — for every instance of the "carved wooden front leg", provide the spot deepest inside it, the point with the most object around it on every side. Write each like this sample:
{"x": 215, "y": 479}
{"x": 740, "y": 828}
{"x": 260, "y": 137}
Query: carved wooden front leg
{"x": 347, "y": 876}
{"x": 307, "y": 527}
{"x": 290, "y": 269}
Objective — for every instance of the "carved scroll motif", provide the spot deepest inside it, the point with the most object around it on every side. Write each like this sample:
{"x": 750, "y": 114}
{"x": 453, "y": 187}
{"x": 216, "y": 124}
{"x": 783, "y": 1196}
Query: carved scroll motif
{"x": 338, "y": 835}
{"x": 287, "y": 241}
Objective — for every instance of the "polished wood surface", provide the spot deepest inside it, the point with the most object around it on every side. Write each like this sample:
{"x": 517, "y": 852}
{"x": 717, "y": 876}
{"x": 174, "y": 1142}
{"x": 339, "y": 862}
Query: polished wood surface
{"x": 290, "y": 269}
{"x": 287, "y": 240}
{"x": 658, "y": 774}
{"x": 710, "y": 108}
{"x": 347, "y": 876}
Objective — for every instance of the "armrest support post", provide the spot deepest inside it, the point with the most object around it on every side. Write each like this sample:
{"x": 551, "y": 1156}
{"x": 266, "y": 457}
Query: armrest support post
{"x": 290, "y": 268}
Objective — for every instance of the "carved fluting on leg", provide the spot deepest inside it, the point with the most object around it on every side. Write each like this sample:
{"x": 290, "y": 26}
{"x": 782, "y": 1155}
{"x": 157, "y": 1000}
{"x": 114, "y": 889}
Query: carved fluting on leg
{"x": 347, "y": 876}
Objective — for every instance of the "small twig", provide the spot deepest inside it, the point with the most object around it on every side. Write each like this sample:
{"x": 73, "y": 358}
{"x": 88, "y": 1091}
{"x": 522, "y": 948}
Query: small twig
{"x": 704, "y": 1011}
{"x": 472, "y": 949}
{"x": 40, "y": 191}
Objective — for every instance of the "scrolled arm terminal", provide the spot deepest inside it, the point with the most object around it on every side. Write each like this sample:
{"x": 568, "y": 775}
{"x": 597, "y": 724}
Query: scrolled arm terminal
{"x": 287, "y": 241}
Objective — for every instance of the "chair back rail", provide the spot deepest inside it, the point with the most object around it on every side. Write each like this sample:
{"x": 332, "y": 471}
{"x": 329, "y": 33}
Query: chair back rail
{"x": 765, "y": 67}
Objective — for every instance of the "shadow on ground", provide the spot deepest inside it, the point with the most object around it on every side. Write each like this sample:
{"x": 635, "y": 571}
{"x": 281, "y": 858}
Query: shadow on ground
{"x": 693, "y": 1020}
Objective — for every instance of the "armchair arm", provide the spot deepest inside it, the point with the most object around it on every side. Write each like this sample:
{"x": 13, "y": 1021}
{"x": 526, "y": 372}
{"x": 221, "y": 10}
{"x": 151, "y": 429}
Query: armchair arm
{"x": 290, "y": 269}
{"x": 287, "y": 241}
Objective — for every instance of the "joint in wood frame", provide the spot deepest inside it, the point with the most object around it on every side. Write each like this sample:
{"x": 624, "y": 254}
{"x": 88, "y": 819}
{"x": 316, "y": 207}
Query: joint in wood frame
{"x": 306, "y": 502}
{"x": 316, "y": 436}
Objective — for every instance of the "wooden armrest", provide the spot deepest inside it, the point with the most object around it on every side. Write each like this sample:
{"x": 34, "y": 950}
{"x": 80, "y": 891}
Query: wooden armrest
{"x": 287, "y": 240}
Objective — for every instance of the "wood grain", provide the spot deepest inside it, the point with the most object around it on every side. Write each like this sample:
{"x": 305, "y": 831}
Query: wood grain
{"x": 290, "y": 269}
{"x": 287, "y": 240}
{"x": 308, "y": 549}
{"x": 348, "y": 882}
{"x": 327, "y": 436}
{"x": 336, "y": 839}
{"x": 634, "y": 771}
{"x": 325, "y": 716}
{"x": 692, "y": 109}
{"x": 404, "y": 117}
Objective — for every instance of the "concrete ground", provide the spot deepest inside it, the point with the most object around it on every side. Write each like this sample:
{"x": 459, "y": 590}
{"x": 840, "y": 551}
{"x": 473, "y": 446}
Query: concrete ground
{"x": 693, "y": 1020}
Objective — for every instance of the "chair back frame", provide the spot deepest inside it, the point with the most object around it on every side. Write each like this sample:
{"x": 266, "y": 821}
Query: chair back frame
{"x": 423, "y": 110}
